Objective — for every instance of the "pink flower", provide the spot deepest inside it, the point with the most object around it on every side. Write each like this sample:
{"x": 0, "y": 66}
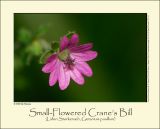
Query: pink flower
{"x": 69, "y": 62}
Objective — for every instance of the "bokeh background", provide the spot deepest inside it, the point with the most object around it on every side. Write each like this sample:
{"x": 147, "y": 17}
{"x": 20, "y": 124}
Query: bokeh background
{"x": 120, "y": 70}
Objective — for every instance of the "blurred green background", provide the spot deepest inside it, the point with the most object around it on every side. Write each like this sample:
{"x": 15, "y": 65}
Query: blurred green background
{"x": 120, "y": 70}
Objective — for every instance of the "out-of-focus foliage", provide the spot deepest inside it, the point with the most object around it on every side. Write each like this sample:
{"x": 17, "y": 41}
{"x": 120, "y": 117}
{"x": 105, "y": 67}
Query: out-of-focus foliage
{"x": 31, "y": 45}
{"x": 119, "y": 71}
{"x": 24, "y": 36}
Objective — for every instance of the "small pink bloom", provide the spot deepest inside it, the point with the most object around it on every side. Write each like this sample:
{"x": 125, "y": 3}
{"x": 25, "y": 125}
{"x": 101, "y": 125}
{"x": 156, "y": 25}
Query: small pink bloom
{"x": 69, "y": 62}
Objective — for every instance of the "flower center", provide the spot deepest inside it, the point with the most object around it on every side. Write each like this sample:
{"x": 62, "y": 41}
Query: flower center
{"x": 64, "y": 55}
{"x": 69, "y": 63}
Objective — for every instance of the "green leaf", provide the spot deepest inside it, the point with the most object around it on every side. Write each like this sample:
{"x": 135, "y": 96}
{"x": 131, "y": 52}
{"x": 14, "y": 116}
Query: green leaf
{"x": 70, "y": 33}
{"x": 45, "y": 56}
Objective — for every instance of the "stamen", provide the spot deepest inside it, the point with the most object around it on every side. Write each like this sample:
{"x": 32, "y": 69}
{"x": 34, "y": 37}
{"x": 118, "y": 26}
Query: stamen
{"x": 69, "y": 63}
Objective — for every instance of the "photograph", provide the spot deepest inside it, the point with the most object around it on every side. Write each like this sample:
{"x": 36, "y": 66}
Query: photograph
{"x": 80, "y": 57}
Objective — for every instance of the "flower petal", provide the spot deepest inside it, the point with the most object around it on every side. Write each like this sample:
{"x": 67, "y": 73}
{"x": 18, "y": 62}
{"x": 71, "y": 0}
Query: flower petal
{"x": 51, "y": 58}
{"x": 84, "y": 68}
{"x": 64, "y": 42}
{"x": 74, "y": 39}
{"x": 53, "y": 77}
{"x": 81, "y": 48}
{"x": 49, "y": 67}
{"x": 63, "y": 77}
{"x": 84, "y": 56}
{"x": 76, "y": 76}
